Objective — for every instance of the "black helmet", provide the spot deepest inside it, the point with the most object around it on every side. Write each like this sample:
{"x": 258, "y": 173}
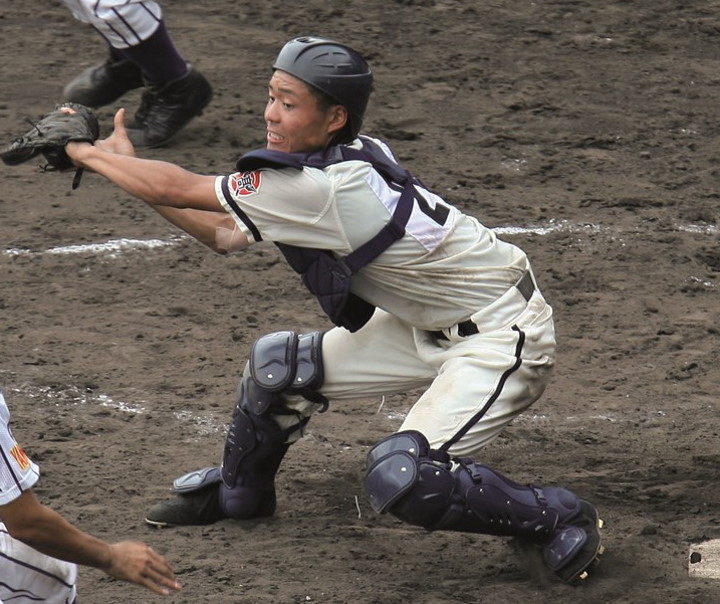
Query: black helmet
{"x": 334, "y": 69}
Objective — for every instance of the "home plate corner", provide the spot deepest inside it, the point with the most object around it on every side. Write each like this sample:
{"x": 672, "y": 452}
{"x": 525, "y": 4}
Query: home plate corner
{"x": 704, "y": 559}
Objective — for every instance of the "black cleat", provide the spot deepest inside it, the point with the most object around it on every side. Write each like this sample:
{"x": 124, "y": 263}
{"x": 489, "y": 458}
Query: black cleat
{"x": 196, "y": 508}
{"x": 575, "y": 546}
{"x": 165, "y": 110}
{"x": 102, "y": 84}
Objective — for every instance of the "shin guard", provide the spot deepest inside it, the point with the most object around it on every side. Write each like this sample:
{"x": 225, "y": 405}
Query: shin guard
{"x": 254, "y": 448}
{"x": 255, "y": 445}
{"x": 424, "y": 487}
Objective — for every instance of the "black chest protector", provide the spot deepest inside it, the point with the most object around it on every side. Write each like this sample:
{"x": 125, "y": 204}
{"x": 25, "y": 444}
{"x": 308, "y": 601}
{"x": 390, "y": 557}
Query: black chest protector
{"x": 327, "y": 277}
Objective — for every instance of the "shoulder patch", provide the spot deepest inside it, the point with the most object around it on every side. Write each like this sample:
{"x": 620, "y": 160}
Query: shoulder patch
{"x": 243, "y": 184}
{"x": 20, "y": 457}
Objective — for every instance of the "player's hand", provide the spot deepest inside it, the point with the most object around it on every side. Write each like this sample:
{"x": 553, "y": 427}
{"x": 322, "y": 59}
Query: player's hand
{"x": 118, "y": 142}
{"x": 139, "y": 563}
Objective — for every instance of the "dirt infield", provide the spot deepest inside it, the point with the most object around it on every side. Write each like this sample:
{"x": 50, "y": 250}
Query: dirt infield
{"x": 585, "y": 132}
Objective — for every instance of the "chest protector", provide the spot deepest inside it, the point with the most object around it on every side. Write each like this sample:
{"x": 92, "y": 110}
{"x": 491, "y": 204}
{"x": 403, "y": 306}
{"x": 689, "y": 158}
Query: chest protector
{"x": 329, "y": 278}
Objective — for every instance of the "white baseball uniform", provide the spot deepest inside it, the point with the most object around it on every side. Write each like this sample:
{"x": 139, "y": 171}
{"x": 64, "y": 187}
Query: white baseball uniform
{"x": 123, "y": 23}
{"x": 447, "y": 269}
{"x": 26, "y": 575}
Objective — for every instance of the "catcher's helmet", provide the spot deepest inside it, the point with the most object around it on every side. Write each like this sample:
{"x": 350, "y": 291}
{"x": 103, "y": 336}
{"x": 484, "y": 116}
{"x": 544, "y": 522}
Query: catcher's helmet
{"x": 334, "y": 69}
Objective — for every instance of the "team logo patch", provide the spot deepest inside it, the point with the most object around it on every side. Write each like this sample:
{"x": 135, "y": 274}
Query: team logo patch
{"x": 20, "y": 457}
{"x": 243, "y": 184}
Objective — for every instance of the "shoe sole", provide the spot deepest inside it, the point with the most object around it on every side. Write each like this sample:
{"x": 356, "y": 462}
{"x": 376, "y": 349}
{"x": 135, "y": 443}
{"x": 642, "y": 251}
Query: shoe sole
{"x": 158, "y": 524}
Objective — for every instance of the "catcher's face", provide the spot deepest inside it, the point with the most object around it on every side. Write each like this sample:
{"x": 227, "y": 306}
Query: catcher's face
{"x": 296, "y": 120}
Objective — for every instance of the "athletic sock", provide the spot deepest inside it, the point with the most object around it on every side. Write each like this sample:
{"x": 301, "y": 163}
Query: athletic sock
{"x": 157, "y": 57}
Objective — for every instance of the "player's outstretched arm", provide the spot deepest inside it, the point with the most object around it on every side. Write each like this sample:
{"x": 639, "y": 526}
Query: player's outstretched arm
{"x": 158, "y": 183}
{"x": 185, "y": 199}
{"x": 42, "y": 528}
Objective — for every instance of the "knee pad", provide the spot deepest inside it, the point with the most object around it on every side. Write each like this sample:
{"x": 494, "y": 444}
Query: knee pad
{"x": 405, "y": 477}
{"x": 284, "y": 362}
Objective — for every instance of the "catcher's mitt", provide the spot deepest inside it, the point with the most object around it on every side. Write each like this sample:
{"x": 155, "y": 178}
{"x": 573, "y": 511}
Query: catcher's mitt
{"x": 67, "y": 122}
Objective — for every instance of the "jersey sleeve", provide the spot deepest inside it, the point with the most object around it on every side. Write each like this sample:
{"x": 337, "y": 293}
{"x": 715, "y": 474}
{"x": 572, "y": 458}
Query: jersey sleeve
{"x": 17, "y": 472}
{"x": 228, "y": 189}
{"x": 284, "y": 205}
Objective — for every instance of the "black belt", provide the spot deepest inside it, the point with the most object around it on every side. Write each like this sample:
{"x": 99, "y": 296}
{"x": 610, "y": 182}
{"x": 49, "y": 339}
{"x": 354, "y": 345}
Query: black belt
{"x": 526, "y": 286}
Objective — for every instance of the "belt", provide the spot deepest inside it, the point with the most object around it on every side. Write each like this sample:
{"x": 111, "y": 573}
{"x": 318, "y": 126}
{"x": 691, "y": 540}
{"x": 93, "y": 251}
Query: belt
{"x": 526, "y": 286}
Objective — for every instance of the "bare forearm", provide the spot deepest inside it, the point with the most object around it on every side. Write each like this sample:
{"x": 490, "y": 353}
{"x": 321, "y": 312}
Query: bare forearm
{"x": 51, "y": 534}
{"x": 45, "y": 530}
{"x": 199, "y": 224}
{"x": 185, "y": 199}
{"x": 158, "y": 183}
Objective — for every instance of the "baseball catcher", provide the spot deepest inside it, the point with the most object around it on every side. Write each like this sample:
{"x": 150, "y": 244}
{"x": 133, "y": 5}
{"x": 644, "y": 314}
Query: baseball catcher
{"x": 419, "y": 293}
{"x": 66, "y": 123}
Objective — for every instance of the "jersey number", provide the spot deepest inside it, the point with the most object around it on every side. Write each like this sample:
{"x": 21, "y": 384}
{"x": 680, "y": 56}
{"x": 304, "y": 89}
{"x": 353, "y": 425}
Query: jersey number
{"x": 439, "y": 213}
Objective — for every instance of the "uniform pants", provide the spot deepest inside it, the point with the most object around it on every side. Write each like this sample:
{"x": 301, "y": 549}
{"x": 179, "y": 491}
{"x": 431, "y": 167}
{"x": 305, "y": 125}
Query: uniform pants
{"x": 28, "y": 577}
{"x": 473, "y": 386}
{"x": 123, "y": 23}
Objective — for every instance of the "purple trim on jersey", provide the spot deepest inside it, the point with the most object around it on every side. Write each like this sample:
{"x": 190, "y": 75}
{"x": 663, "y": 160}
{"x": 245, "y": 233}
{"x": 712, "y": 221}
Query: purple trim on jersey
{"x": 476, "y": 418}
{"x": 23, "y": 593}
{"x": 34, "y": 569}
{"x": 236, "y": 208}
{"x": 10, "y": 468}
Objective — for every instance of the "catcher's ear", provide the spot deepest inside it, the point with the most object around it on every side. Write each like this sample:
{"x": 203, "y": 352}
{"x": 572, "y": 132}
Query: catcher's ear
{"x": 338, "y": 118}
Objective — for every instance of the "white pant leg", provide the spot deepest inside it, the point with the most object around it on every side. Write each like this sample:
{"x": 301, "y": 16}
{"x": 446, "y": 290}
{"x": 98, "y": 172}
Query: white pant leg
{"x": 475, "y": 386}
{"x": 123, "y": 23}
{"x": 484, "y": 381}
{"x": 381, "y": 358}
{"x": 28, "y": 577}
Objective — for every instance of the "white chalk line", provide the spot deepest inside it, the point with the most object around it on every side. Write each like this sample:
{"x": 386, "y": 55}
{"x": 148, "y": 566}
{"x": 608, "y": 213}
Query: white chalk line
{"x": 111, "y": 248}
{"x": 73, "y": 396}
{"x": 203, "y": 425}
{"x": 206, "y": 425}
{"x": 115, "y": 247}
